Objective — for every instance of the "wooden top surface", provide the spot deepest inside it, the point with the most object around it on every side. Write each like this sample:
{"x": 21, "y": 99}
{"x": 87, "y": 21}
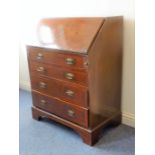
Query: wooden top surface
{"x": 69, "y": 34}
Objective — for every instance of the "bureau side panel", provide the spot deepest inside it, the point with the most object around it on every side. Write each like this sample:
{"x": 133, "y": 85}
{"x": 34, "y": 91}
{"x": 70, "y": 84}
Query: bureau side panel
{"x": 105, "y": 68}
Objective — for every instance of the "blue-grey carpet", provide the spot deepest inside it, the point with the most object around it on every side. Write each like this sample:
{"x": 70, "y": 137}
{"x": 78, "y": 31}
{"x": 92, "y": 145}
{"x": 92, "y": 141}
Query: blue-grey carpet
{"x": 51, "y": 138}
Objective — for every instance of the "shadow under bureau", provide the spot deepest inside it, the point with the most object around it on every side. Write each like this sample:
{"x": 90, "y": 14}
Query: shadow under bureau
{"x": 75, "y": 71}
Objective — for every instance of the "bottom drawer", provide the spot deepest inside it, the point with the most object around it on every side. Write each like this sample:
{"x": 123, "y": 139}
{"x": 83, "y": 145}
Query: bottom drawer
{"x": 61, "y": 108}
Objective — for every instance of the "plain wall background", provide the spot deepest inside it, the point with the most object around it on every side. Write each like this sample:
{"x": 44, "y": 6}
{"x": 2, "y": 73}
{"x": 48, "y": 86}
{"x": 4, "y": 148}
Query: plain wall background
{"x": 32, "y": 11}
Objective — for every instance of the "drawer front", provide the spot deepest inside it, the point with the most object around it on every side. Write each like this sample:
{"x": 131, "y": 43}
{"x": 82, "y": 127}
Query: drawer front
{"x": 71, "y": 75}
{"x": 62, "y": 109}
{"x": 72, "y": 93}
{"x": 57, "y": 58}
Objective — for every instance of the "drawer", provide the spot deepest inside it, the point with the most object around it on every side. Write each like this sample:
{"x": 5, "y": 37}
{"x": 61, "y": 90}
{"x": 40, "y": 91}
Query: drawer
{"x": 57, "y": 58}
{"x": 62, "y": 109}
{"x": 66, "y": 74}
{"x": 73, "y": 93}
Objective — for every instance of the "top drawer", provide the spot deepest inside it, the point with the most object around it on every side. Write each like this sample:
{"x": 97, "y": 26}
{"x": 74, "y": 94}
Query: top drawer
{"x": 57, "y": 58}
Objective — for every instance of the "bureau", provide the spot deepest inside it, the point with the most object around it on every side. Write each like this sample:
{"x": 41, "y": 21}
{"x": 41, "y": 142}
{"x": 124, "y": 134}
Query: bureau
{"x": 75, "y": 72}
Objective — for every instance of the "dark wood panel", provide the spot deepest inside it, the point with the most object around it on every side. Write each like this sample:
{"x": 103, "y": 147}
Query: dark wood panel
{"x": 71, "y": 75}
{"x": 62, "y": 109}
{"x": 72, "y": 93}
{"x": 58, "y": 58}
{"x": 73, "y": 34}
{"x": 104, "y": 72}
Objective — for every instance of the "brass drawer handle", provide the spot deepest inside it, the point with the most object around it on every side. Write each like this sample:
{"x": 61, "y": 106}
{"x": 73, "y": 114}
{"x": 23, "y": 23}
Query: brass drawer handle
{"x": 86, "y": 63}
{"x": 39, "y": 56}
{"x": 71, "y": 113}
{"x": 42, "y": 85}
{"x": 69, "y": 93}
{"x": 70, "y": 61}
{"x": 69, "y": 76}
{"x": 43, "y": 103}
{"x": 40, "y": 69}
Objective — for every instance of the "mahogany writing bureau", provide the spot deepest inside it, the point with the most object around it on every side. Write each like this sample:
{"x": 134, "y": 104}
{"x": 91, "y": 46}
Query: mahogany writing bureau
{"x": 75, "y": 72}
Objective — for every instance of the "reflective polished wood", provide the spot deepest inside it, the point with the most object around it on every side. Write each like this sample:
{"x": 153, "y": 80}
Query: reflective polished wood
{"x": 75, "y": 71}
{"x": 66, "y": 74}
{"x": 71, "y": 34}
{"x": 61, "y": 108}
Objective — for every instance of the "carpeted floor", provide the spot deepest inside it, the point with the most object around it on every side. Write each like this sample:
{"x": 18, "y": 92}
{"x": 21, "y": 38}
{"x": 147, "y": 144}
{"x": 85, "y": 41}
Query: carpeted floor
{"x": 51, "y": 138}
